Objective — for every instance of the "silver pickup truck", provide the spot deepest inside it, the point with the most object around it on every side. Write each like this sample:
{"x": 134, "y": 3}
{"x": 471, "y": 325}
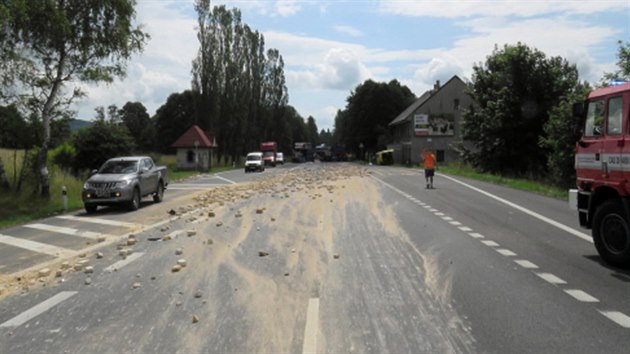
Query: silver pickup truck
{"x": 124, "y": 180}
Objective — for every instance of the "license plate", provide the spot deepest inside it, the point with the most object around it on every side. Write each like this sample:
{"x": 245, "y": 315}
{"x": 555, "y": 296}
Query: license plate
{"x": 101, "y": 193}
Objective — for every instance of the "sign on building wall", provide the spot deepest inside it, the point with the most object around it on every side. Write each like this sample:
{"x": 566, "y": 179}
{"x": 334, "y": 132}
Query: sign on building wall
{"x": 434, "y": 124}
{"x": 421, "y": 124}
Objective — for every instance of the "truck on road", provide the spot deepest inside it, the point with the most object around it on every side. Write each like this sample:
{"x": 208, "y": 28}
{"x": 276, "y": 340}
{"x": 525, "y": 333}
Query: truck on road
{"x": 269, "y": 150}
{"x": 602, "y": 162}
{"x": 124, "y": 180}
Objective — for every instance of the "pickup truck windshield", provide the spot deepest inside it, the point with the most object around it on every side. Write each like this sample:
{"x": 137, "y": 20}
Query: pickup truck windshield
{"x": 119, "y": 167}
{"x": 253, "y": 157}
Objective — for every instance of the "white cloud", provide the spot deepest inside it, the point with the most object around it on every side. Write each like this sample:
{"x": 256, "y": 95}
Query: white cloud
{"x": 161, "y": 69}
{"x": 570, "y": 39}
{"x": 351, "y": 31}
{"x": 487, "y": 8}
{"x": 440, "y": 68}
{"x": 287, "y": 7}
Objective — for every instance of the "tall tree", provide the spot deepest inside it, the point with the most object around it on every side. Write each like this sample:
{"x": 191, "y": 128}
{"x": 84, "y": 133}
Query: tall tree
{"x": 242, "y": 90}
{"x": 515, "y": 90}
{"x": 623, "y": 65}
{"x": 369, "y": 109}
{"x": 561, "y": 132}
{"x": 311, "y": 127}
{"x": 134, "y": 115}
{"x": 174, "y": 117}
{"x": 49, "y": 45}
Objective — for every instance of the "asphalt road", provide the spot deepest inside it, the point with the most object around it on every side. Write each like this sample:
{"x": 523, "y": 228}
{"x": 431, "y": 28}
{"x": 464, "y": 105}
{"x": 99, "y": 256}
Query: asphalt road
{"x": 315, "y": 258}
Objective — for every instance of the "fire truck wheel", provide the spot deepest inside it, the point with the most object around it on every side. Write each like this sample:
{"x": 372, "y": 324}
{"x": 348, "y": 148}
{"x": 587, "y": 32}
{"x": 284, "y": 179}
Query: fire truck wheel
{"x": 611, "y": 233}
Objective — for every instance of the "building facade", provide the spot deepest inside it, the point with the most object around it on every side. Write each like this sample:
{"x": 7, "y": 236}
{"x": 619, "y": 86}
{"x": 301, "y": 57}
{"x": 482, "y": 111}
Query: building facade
{"x": 432, "y": 122}
{"x": 194, "y": 149}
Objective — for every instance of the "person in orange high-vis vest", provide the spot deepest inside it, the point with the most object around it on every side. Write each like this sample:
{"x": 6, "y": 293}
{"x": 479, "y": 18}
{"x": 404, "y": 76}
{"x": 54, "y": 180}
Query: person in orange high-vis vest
{"x": 429, "y": 167}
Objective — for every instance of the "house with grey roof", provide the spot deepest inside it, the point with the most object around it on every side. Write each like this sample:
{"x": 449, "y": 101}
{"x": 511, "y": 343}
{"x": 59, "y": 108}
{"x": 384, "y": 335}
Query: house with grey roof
{"x": 433, "y": 121}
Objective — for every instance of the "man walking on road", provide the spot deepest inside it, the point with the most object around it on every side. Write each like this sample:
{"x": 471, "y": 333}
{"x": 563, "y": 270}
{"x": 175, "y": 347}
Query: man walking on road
{"x": 429, "y": 167}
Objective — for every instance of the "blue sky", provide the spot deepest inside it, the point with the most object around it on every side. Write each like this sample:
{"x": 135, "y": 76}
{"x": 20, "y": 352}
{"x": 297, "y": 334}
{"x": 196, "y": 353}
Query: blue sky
{"x": 329, "y": 47}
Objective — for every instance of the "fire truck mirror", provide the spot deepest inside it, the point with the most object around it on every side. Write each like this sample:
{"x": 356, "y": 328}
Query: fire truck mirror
{"x": 578, "y": 110}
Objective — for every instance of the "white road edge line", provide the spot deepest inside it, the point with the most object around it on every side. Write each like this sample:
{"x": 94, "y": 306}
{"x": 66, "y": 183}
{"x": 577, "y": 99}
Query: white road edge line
{"x": 617, "y": 317}
{"x": 38, "y": 309}
{"x": 36, "y": 246}
{"x": 560, "y": 226}
{"x": 118, "y": 265}
{"x": 581, "y": 295}
{"x": 312, "y": 326}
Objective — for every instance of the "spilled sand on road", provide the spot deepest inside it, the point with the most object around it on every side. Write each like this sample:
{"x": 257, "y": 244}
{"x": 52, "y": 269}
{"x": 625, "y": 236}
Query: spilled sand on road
{"x": 266, "y": 247}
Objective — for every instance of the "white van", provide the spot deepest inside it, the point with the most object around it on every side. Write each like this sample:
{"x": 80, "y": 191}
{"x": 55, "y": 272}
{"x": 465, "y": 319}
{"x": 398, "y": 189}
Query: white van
{"x": 254, "y": 162}
{"x": 280, "y": 158}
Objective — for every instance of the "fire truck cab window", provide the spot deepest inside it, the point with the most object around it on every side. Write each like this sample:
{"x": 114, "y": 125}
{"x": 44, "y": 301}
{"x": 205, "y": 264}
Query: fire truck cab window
{"x": 615, "y": 120}
{"x": 595, "y": 119}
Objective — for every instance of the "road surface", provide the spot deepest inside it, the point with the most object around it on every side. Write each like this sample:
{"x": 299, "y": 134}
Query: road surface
{"x": 314, "y": 258}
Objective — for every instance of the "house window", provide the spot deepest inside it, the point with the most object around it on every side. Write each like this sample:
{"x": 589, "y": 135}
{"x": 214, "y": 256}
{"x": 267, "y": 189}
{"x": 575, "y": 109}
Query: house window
{"x": 439, "y": 155}
{"x": 190, "y": 156}
{"x": 456, "y": 103}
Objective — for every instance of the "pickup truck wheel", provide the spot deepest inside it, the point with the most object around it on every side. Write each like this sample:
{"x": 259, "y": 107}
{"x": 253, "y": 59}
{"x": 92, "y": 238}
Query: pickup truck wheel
{"x": 90, "y": 208}
{"x": 134, "y": 204}
{"x": 159, "y": 194}
{"x": 611, "y": 233}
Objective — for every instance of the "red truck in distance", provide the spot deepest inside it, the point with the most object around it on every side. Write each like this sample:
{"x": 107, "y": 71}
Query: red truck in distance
{"x": 602, "y": 163}
{"x": 269, "y": 150}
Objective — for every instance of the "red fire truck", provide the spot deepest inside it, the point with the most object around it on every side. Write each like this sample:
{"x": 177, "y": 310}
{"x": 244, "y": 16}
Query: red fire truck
{"x": 269, "y": 150}
{"x": 602, "y": 162}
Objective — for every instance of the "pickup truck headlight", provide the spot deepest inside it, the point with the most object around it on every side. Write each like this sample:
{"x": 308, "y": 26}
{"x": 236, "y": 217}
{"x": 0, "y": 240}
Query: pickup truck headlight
{"x": 123, "y": 183}
{"x": 86, "y": 185}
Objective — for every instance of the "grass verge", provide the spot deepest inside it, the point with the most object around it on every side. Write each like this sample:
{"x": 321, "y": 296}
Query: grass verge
{"x": 18, "y": 208}
{"x": 521, "y": 184}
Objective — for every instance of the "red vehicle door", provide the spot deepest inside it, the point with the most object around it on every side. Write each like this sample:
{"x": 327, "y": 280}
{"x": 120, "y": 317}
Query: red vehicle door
{"x": 614, "y": 143}
{"x": 588, "y": 159}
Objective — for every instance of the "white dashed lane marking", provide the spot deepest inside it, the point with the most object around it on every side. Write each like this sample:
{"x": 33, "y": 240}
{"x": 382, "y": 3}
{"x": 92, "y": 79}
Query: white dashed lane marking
{"x": 312, "y": 326}
{"x": 525, "y": 264}
{"x": 550, "y": 278}
{"x": 545, "y": 219}
{"x": 506, "y": 252}
{"x": 617, "y": 317}
{"x": 581, "y": 295}
{"x": 118, "y": 265}
{"x": 38, "y": 309}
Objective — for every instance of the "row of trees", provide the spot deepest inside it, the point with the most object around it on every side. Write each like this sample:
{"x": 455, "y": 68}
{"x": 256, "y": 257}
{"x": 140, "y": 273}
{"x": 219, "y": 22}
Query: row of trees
{"x": 47, "y": 48}
{"x": 240, "y": 88}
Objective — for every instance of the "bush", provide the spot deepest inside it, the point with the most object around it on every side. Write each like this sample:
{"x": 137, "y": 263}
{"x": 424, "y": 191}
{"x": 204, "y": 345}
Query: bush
{"x": 63, "y": 156}
{"x": 100, "y": 142}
